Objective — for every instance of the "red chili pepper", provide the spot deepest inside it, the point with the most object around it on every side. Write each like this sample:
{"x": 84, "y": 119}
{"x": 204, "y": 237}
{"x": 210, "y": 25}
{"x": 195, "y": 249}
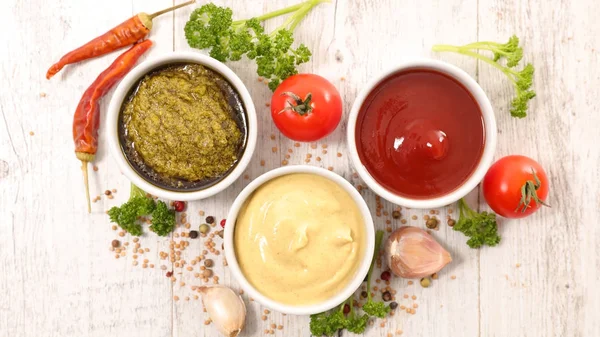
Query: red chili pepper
{"x": 87, "y": 116}
{"x": 125, "y": 34}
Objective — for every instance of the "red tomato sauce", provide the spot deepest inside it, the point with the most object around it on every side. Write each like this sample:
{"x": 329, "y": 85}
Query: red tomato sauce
{"x": 420, "y": 134}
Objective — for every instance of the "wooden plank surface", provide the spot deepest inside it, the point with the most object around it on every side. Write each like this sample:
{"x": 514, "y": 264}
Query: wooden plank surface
{"x": 60, "y": 279}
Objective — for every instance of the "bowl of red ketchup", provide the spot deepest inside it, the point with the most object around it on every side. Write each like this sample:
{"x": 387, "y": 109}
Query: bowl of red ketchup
{"x": 422, "y": 134}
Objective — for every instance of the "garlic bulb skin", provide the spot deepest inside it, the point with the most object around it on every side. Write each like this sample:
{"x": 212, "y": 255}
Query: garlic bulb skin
{"x": 411, "y": 252}
{"x": 225, "y": 308}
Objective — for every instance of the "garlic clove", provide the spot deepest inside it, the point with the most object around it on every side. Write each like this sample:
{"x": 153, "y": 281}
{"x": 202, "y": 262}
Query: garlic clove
{"x": 225, "y": 308}
{"x": 411, "y": 252}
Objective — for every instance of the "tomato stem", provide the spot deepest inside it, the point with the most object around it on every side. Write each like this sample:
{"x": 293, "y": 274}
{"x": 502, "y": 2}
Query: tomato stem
{"x": 529, "y": 192}
{"x": 298, "y": 105}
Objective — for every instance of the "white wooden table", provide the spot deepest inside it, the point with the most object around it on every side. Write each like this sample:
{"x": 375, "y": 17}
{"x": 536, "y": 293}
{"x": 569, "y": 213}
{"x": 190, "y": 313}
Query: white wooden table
{"x": 58, "y": 277}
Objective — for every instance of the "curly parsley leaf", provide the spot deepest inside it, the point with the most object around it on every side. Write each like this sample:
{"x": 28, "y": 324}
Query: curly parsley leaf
{"x": 481, "y": 228}
{"x": 212, "y": 27}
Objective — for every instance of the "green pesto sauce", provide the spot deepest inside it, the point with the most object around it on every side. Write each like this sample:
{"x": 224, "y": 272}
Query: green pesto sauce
{"x": 181, "y": 125}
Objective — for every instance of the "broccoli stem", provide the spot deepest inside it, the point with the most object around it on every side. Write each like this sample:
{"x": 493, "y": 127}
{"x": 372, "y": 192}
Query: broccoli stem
{"x": 511, "y": 74}
{"x": 378, "y": 239}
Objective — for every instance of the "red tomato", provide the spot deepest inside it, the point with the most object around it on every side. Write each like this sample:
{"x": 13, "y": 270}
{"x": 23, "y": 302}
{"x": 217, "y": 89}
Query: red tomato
{"x": 306, "y": 107}
{"x": 515, "y": 186}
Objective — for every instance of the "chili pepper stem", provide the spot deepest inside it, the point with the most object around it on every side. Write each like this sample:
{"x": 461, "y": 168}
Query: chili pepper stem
{"x": 84, "y": 168}
{"x": 153, "y": 15}
{"x": 86, "y": 158}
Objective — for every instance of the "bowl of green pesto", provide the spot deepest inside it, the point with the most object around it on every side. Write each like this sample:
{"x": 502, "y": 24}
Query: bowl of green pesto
{"x": 182, "y": 126}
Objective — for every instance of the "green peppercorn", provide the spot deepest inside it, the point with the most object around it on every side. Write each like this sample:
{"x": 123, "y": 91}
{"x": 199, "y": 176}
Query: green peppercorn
{"x": 204, "y": 228}
{"x": 425, "y": 282}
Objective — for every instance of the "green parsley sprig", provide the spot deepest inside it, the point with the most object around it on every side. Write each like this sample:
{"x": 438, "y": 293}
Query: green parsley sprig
{"x": 329, "y": 323}
{"x": 481, "y": 228}
{"x": 127, "y": 216}
{"x": 512, "y": 53}
{"x": 211, "y": 27}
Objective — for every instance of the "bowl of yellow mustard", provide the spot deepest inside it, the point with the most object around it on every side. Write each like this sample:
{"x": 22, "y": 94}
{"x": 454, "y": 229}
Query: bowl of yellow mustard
{"x": 299, "y": 239}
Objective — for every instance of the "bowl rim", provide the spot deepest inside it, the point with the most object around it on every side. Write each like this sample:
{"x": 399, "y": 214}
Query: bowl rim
{"x": 132, "y": 78}
{"x": 330, "y": 303}
{"x": 489, "y": 121}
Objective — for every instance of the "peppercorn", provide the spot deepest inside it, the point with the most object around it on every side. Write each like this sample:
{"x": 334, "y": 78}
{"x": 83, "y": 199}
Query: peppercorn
{"x": 396, "y": 214}
{"x": 208, "y": 263}
{"x": 115, "y": 243}
{"x": 222, "y": 223}
{"x": 107, "y": 192}
{"x": 346, "y": 309}
{"x": 207, "y": 273}
{"x": 210, "y": 219}
{"x": 434, "y": 276}
{"x": 193, "y": 234}
{"x": 386, "y": 276}
{"x": 169, "y": 273}
{"x": 179, "y": 206}
{"x": 220, "y": 233}
{"x": 451, "y": 222}
{"x": 393, "y": 305}
{"x": 432, "y": 223}
{"x": 204, "y": 228}
{"x": 425, "y": 282}
{"x": 364, "y": 294}
{"x": 387, "y": 296}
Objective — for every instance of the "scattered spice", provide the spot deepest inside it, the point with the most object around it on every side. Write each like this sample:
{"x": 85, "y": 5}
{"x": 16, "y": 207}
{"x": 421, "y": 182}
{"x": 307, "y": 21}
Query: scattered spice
{"x": 179, "y": 206}
{"x": 425, "y": 282}
{"x": 396, "y": 214}
{"x": 434, "y": 276}
{"x": 451, "y": 222}
{"x": 386, "y": 275}
{"x": 386, "y": 296}
{"x": 204, "y": 228}
{"x": 115, "y": 243}
{"x": 393, "y": 305}
{"x": 222, "y": 223}
{"x": 453, "y": 277}
{"x": 432, "y": 223}
{"x": 193, "y": 234}
{"x": 208, "y": 263}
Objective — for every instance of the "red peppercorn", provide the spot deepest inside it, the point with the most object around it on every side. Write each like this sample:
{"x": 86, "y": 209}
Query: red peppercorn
{"x": 222, "y": 223}
{"x": 346, "y": 308}
{"x": 169, "y": 274}
{"x": 386, "y": 276}
{"x": 179, "y": 206}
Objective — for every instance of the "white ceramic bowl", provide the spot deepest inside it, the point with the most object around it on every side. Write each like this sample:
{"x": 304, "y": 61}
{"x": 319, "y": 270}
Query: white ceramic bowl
{"x": 489, "y": 126}
{"x": 343, "y": 295}
{"x": 121, "y": 94}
